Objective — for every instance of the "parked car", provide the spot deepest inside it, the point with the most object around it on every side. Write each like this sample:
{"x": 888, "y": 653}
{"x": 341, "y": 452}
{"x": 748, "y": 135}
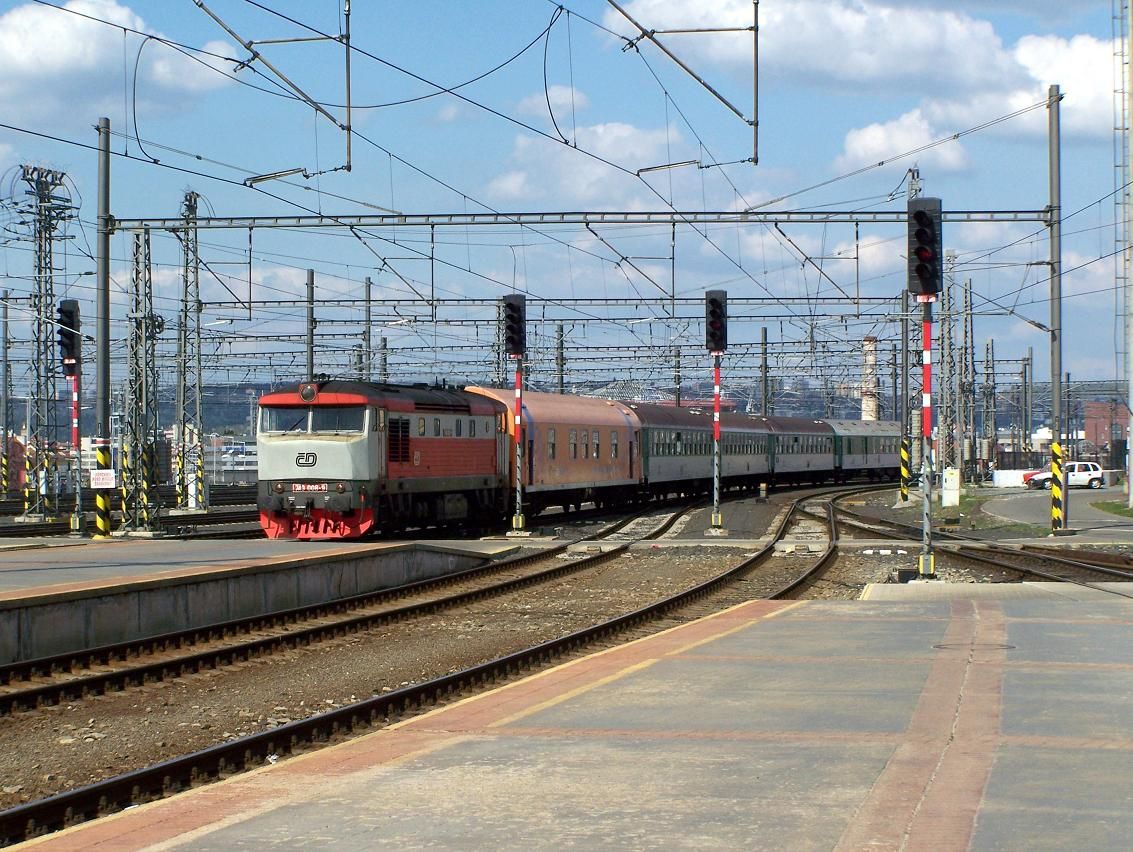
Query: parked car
{"x": 1083, "y": 474}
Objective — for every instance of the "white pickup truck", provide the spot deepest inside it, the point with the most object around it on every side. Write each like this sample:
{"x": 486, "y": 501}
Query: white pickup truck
{"x": 1084, "y": 474}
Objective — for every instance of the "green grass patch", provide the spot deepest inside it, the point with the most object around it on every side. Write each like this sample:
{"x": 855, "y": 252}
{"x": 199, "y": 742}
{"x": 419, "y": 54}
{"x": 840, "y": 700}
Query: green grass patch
{"x": 1114, "y": 507}
{"x": 971, "y": 513}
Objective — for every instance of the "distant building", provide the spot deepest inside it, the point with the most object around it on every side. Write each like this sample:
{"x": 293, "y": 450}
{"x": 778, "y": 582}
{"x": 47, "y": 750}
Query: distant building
{"x": 1106, "y": 422}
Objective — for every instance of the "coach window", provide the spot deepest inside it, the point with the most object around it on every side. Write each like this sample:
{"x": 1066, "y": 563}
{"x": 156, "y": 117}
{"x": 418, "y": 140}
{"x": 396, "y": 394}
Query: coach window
{"x": 613, "y": 445}
{"x": 436, "y": 427}
{"x": 550, "y": 443}
{"x": 594, "y": 441}
{"x": 459, "y": 426}
{"x": 421, "y": 426}
{"x": 471, "y": 428}
{"x": 585, "y": 443}
{"x": 573, "y": 443}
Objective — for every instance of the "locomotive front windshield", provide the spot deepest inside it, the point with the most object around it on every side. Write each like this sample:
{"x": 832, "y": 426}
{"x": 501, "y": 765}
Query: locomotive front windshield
{"x": 290, "y": 420}
{"x": 338, "y": 419}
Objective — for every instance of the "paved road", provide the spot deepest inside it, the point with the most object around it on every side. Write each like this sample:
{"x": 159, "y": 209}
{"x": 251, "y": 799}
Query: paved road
{"x": 1033, "y": 507}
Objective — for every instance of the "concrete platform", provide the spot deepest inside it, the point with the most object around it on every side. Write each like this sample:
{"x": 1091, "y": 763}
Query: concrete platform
{"x": 973, "y": 723}
{"x": 58, "y": 599}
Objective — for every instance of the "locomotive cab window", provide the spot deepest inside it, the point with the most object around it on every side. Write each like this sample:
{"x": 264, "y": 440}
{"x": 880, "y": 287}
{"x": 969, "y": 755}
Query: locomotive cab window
{"x": 279, "y": 419}
{"x": 338, "y": 419}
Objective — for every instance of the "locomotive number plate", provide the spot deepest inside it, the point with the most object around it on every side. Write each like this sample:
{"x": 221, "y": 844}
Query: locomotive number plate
{"x": 308, "y": 486}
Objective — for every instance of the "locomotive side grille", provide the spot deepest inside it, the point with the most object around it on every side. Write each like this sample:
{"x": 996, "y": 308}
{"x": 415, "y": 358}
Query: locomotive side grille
{"x": 399, "y": 439}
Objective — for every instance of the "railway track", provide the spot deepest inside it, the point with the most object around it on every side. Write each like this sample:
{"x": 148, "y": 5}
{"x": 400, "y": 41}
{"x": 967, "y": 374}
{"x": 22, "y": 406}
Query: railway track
{"x": 182, "y": 526}
{"x": 79, "y": 675}
{"x": 219, "y": 495}
{"x": 1063, "y": 568}
{"x": 161, "y": 779}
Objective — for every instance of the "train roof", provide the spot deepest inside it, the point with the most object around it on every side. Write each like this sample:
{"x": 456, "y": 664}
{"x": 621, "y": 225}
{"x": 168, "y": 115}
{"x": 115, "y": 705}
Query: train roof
{"x": 391, "y": 397}
{"x": 656, "y": 416}
{"x": 560, "y": 408}
{"x": 865, "y": 427}
{"x": 795, "y": 425}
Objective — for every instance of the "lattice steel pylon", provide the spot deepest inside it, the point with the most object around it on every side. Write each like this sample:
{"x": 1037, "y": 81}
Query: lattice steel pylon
{"x": 192, "y": 490}
{"x": 49, "y": 210}
{"x": 140, "y": 506}
{"x": 989, "y": 404}
{"x": 946, "y": 417}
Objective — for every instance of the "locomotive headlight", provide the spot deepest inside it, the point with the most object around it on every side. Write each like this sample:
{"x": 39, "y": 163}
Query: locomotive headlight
{"x": 277, "y": 488}
{"x": 340, "y": 488}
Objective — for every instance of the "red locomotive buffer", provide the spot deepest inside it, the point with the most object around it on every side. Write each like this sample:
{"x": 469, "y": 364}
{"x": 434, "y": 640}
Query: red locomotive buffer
{"x": 341, "y": 459}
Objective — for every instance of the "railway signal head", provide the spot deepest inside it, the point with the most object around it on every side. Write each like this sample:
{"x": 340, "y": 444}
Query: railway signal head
{"x": 926, "y": 258}
{"x": 716, "y": 320}
{"x": 515, "y": 324}
{"x": 70, "y": 341}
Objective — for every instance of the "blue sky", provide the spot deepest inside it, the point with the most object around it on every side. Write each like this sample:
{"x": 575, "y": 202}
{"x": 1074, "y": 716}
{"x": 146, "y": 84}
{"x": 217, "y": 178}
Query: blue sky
{"x": 846, "y": 88}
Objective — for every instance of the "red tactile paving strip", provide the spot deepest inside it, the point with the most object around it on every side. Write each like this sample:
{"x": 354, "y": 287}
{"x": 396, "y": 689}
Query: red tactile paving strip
{"x": 269, "y": 787}
{"x": 930, "y": 791}
{"x": 926, "y": 798}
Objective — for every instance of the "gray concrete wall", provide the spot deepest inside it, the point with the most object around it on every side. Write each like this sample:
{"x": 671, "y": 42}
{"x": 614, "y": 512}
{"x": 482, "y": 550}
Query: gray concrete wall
{"x": 47, "y": 625}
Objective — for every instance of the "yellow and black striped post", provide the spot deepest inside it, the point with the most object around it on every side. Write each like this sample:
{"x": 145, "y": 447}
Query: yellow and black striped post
{"x": 179, "y": 474}
{"x": 202, "y": 492}
{"x": 101, "y": 496}
{"x": 147, "y": 477}
{"x": 4, "y": 467}
{"x": 126, "y": 485}
{"x": 1057, "y": 521}
{"x": 904, "y": 470}
{"x": 29, "y": 477}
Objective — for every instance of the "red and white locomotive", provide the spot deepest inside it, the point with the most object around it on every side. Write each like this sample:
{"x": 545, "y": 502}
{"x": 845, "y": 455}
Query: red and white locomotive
{"x": 341, "y": 459}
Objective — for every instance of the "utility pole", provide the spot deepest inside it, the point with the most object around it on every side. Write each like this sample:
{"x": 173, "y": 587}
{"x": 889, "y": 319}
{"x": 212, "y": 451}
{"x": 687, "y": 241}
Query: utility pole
{"x": 1029, "y": 403}
{"x": 367, "y": 350}
{"x": 140, "y": 506}
{"x": 310, "y": 325}
{"x": 1126, "y": 216}
{"x": 102, "y": 477}
{"x": 49, "y": 209}
{"x": 989, "y": 404}
{"x": 967, "y": 413}
{"x": 677, "y": 378}
{"x": 191, "y": 489}
{"x": 947, "y": 408}
{"x": 894, "y": 415}
{"x": 765, "y": 408}
{"x": 383, "y": 360}
{"x": 1059, "y": 494}
{"x": 5, "y": 459}
{"x": 560, "y": 358}
{"x": 716, "y": 342}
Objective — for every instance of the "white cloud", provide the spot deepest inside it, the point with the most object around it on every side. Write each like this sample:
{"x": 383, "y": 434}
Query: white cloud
{"x": 176, "y": 71}
{"x": 510, "y": 186}
{"x": 564, "y": 100}
{"x": 876, "y": 142}
{"x": 449, "y": 113}
{"x": 548, "y": 170}
{"x": 56, "y": 64}
{"x": 848, "y": 41}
